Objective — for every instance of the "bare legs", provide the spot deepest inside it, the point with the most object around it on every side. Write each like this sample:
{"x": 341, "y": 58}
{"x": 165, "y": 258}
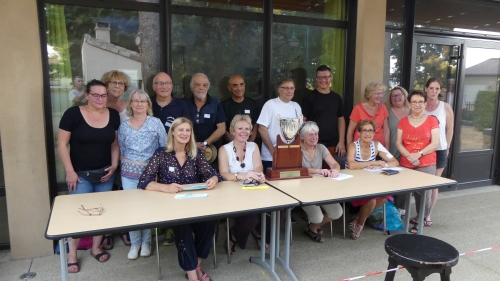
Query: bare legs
{"x": 196, "y": 274}
{"x": 73, "y": 247}
{"x": 434, "y": 195}
{"x": 314, "y": 226}
{"x": 364, "y": 212}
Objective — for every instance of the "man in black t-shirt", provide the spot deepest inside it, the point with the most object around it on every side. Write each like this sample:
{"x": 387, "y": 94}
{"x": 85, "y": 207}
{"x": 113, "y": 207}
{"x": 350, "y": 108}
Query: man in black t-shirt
{"x": 325, "y": 107}
{"x": 238, "y": 104}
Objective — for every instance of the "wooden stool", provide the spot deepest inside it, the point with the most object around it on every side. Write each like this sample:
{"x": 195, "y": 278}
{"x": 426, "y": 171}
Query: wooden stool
{"x": 420, "y": 255}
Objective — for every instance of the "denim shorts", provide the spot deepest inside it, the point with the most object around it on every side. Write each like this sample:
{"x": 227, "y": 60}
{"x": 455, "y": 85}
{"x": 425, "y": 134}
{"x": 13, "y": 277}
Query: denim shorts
{"x": 441, "y": 158}
{"x": 87, "y": 187}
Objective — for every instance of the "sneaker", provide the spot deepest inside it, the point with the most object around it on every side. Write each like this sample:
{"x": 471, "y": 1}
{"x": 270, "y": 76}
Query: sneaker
{"x": 402, "y": 213}
{"x": 169, "y": 238}
{"x": 145, "y": 250}
{"x": 133, "y": 254}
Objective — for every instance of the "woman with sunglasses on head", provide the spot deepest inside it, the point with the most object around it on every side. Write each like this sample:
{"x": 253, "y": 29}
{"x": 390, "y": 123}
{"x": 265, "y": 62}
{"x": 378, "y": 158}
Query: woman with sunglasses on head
{"x": 372, "y": 109}
{"x": 117, "y": 83}
{"x": 417, "y": 140}
{"x": 91, "y": 132}
{"x": 362, "y": 154}
{"x": 444, "y": 113}
{"x": 170, "y": 167}
{"x": 313, "y": 155}
{"x": 240, "y": 160}
{"x": 138, "y": 138}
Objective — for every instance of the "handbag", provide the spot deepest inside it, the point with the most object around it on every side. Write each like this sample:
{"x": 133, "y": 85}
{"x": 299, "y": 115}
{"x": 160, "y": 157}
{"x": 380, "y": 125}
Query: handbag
{"x": 93, "y": 176}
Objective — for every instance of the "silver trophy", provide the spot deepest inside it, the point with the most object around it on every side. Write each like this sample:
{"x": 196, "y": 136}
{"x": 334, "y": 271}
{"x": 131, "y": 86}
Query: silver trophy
{"x": 289, "y": 127}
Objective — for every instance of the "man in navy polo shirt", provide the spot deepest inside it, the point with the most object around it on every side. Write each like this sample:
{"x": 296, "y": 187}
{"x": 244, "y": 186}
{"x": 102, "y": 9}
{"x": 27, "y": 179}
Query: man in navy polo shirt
{"x": 165, "y": 106}
{"x": 206, "y": 113}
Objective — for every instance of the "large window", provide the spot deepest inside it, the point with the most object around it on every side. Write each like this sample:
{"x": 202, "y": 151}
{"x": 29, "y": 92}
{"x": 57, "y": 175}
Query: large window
{"x": 216, "y": 37}
{"x": 84, "y": 43}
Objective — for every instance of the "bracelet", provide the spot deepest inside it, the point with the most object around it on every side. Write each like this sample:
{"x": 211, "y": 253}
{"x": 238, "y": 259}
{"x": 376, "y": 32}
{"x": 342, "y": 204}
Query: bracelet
{"x": 236, "y": 176}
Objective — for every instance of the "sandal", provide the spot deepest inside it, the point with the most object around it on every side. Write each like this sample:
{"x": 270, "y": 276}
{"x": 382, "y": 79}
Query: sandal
{"x": 428, "y": 223}
{"x": 353, "y": 223}
{"x": 258, "y": 240}
{"x": 98, "y": 256}
{"x": 73, "y": 264}
{"x": 233, "y": 248}
{"x": 107, "y": 242}
{"x": 204, "y": 275}
{"x": 414, "y": 220}
{"x": 125, "y": 238}
{"x": 357, "y": 231}
{"x": 314, "y": 236}
{"x": 414, "y": 229}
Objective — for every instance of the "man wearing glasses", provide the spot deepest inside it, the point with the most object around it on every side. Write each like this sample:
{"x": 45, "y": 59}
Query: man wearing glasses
{"x": 325, "y": 107}
{"x": 166, "y": 107}
{"x": 206, "y": 113}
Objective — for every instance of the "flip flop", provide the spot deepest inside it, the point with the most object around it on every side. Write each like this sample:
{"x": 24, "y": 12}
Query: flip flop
{"x": 74, "y": 264}
{"x": 107, "y": 242}
{"x": 428, "y": 223}
{"x": 414, "y": 220}
{"x": 414, "y": 229}
{"x": 125, "y": 238}
{"x": 98, "y": 256}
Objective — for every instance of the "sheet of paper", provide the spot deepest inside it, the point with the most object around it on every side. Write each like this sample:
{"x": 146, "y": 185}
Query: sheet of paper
{"x": 255, "y": 187}
{"x": 191, "y": 195}
{"x": 195, "y": 187}
{"x": 342, "y": 177}
{"x": 381, "y": 169}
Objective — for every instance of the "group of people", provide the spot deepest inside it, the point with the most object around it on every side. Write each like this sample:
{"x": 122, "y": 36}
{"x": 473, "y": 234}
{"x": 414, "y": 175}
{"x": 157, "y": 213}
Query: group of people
{"x": 157, "y": 143}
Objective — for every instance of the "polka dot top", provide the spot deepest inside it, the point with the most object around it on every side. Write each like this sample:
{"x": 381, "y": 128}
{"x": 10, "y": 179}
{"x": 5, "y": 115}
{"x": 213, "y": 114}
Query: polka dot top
{"x": 166, "y": 166}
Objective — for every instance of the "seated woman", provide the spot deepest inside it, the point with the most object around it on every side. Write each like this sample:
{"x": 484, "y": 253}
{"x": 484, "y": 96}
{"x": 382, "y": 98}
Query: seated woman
{"x": 240, "y": 160}
{"x": 362, "y": 154}
{"x": 172, "y": 166}
{"x": 313, "y": 154}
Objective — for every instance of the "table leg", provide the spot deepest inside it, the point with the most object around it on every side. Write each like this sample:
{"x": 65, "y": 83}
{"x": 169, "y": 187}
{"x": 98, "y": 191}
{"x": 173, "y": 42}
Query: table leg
{"x": 421, "y": 212}
{"x": 158, "y": 254}
{"x": 286, "y": 263}
{"x": 407, "y": 212}
{"x": 262, "y": 260}
{"x": 64, "y": 259}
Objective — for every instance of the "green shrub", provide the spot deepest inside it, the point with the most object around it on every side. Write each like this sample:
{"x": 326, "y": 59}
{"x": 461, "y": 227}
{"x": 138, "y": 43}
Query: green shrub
{"x": 484, "y": 109}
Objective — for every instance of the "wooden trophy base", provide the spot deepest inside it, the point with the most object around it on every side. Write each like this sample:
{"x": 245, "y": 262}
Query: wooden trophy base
{"x": 286, "y": 173}
{"x": 287, "y": 161}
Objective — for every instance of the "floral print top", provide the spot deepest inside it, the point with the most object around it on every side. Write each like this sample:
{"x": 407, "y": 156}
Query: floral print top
{"x": 137, "y": 146}
{"x": 166, "y": 166}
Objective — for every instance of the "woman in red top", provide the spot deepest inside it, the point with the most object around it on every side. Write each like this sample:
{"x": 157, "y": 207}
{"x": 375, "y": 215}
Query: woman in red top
{"x": 417, "y": 140}
{"x": 372, "y": 109}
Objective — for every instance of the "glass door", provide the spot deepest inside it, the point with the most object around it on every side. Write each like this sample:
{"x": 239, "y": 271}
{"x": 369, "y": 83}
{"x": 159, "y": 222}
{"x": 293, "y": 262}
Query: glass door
{"x": 470, "y": 74}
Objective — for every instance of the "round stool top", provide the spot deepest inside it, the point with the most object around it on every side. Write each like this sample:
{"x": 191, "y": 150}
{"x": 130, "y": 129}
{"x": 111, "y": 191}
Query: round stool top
{"x": 421, "y": 251}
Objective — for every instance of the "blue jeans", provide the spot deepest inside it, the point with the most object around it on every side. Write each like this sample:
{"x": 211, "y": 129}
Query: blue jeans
{"x": 87, "y": 187}
{"x": 137, "y": 237}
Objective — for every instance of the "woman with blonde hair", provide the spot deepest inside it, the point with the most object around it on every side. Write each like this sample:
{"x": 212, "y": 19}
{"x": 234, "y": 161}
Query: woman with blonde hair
{"x": 240, "y": 160}
{"x": 372, "y": 109}
{"x": 117, "y": 83}
{"x": 138, "y": 138}
{"x": 168, "y": 169}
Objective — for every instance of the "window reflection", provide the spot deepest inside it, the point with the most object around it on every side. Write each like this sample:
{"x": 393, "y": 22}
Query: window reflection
{"x": 219, "y": 48}
{"x": 393, "y": 57}
{"x": 299, "y": 49}
{"x": 83, "y": 43}
{"x": 238, "y": 5}
{"x": 324, "y": 9}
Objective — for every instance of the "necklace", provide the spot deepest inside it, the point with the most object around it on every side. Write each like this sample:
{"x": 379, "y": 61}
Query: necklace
{"x": 242, "y": 164}
{"x": 413, "y": 117}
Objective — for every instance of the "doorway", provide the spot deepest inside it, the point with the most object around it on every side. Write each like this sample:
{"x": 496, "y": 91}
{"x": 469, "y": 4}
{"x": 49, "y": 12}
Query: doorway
{"x": 470, "y": 72}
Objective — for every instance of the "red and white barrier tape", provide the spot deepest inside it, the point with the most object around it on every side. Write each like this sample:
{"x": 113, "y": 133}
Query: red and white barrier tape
{"x": 401, "y": 267}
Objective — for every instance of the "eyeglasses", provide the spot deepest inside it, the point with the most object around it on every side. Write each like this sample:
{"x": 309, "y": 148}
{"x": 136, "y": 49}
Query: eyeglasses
{"x": 161, "y": 83}
{"x": 250, "y": 182}
{"x": 91, "y": 212}
{"x": 323, "y": 77}
{"x": 288, "y": 88}
{"x": 378, "y": 93}
{"x": 421, "y": 102}
{"x": 396, "y": 96}
{"x": 117, "y": 83}
{"x": 140, "y": 101}
{"x": 369, "y": 131}
{"x": 97, "y": 96}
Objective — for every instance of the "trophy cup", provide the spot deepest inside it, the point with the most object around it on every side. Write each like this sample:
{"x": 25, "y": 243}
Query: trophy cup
{"x": 287, "y": 156}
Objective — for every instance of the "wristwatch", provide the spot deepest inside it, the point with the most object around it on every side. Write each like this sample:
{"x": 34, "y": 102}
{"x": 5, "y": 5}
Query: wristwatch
{"x": 205, "y": 143}
{"x": 236, "y": 176}
{"x": 421, "y": 153}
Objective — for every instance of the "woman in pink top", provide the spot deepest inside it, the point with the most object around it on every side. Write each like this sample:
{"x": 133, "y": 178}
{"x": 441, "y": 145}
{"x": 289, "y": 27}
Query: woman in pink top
{"x": 372, "y": 109}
